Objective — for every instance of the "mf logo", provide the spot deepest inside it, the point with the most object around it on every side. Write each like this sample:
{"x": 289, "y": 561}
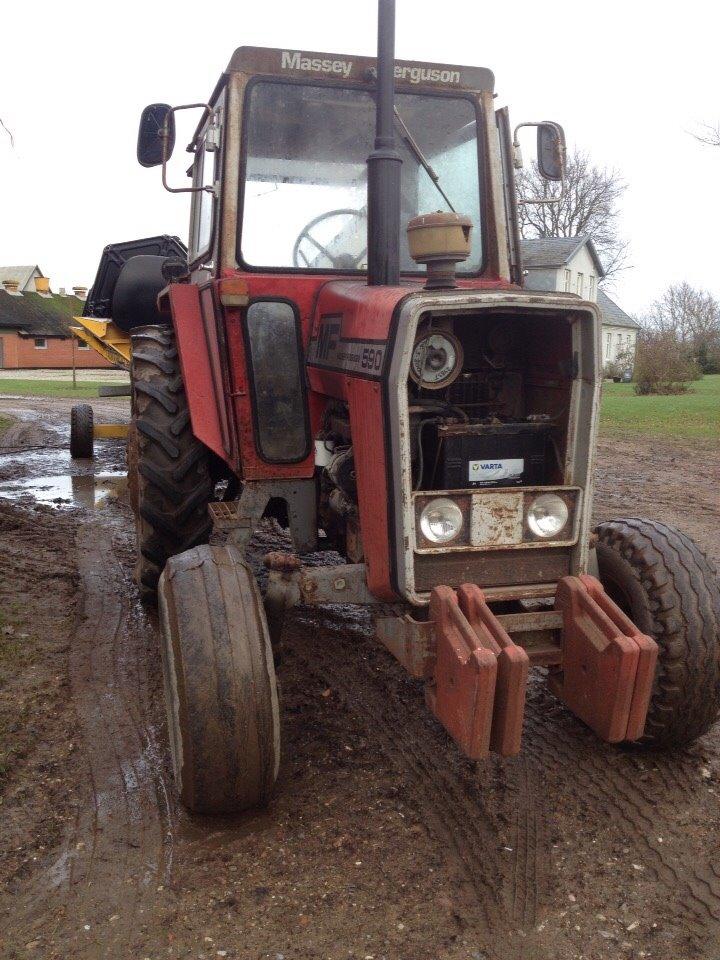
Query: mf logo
{"x": 328, "y": 337}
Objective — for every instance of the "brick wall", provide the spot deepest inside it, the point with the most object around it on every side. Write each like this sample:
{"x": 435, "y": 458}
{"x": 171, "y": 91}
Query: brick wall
{"x": 20, "y": 353}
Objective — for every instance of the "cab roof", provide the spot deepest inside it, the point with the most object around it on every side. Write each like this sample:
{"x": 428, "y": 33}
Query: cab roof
{"x": 338, "y": 67}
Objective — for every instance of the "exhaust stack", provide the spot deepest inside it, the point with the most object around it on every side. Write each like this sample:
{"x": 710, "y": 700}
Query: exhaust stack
{"x": 384, "y": 163}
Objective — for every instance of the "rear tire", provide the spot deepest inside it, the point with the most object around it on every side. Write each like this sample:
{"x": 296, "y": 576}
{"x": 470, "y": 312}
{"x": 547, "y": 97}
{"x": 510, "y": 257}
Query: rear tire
{"x": 666, "y": 585}
{"x": 82, "y": 445}
{"x": 220, "y": 686}
{"x": 171, "y": 484}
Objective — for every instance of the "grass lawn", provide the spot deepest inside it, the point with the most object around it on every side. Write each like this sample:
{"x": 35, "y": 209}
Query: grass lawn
{"x": 48, "y": 388}
{"x": 691, "y": 415}
{"x": 695, "y": 414}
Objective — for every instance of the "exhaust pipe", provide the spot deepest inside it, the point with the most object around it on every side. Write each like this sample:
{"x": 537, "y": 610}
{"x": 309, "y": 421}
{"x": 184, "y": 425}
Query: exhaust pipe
{"x": 384, "y": 163}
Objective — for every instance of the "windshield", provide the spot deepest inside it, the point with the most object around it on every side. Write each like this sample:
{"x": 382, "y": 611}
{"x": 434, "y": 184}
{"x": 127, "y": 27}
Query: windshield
{"x": 305, "y": 194}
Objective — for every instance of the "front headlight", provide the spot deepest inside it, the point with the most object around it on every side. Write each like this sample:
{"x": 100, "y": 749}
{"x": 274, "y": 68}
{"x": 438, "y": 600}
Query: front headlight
{"x": 547, "y": 515}
{"x": 441, "y": 520}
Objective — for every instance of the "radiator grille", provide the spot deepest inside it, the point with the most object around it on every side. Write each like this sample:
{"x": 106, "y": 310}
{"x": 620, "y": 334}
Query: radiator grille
{"x": 496, "y": 568}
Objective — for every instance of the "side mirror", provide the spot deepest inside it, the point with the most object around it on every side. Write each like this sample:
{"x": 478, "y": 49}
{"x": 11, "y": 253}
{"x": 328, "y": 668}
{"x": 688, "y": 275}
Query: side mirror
{"x": 550, "y": 157}
{"x": 551, "y": 150}
{"x": 156, "y": 135}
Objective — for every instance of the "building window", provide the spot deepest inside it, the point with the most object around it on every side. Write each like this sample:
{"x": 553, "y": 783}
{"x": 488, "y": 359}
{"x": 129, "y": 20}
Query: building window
{"x": 580, "y": 284}
{"x": 83, "y": 346}
{"x": 568, "y": 280}
{"x": 40, "y": 343}
{"x": 608, "y": 346}
{"x": 591, "y": 287}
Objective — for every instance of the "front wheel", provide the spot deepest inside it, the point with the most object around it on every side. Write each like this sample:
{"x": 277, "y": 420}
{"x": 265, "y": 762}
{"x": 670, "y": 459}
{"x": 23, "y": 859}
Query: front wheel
{"x": 220, "y": 686}
{"x": 659, "y": 577}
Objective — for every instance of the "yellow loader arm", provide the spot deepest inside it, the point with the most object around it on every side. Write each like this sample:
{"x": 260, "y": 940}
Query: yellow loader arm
{"x": 105, "y": 338}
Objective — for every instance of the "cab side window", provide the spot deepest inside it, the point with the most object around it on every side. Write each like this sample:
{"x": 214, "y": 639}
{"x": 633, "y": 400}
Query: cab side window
{"x": 206, "y": 172}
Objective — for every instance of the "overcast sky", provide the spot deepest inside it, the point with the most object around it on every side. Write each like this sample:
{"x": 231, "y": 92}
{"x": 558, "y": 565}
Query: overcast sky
{"x": 628, "y": 81}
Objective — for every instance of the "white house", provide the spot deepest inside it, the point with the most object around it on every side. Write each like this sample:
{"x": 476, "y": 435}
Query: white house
{"x": 571, "y": 265}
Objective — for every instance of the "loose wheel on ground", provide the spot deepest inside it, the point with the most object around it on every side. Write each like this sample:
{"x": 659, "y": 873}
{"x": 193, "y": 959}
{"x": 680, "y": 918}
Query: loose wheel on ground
{"x": 171, "y": 481}
{"x": 220, "y": 686}
{"x": 662, "y": 580}
{"x": 81, "y": 431}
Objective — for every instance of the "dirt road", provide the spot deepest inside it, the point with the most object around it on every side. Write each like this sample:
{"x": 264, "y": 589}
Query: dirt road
{"x": 382, "y": 841}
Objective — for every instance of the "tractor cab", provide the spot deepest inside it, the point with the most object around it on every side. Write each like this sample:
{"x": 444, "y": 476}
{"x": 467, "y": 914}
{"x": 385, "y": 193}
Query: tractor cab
{"x": 285, "y": 141}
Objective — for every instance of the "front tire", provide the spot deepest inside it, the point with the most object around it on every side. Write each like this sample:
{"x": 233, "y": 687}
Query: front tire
{"x": 171, "y": 484}
{"x": 666, "y": 585}
{"x": 220, "y": 686}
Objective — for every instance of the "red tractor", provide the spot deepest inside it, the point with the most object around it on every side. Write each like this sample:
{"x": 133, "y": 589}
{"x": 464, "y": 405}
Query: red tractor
{"x": 347, "y": 347}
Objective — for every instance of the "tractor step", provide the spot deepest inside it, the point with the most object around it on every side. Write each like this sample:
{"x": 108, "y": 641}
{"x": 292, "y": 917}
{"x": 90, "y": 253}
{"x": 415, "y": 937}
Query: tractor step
{"x": 476, "y": 663}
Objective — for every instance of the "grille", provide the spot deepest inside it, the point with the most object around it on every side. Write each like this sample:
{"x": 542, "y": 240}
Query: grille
{"x": 495, "y": 568}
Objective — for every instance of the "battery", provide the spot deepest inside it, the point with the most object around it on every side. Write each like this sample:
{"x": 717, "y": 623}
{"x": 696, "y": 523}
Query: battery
{"x": 493, "y": 454}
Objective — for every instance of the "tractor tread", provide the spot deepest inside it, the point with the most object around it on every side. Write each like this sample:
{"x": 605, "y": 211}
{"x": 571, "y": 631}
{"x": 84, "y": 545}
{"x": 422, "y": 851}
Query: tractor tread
{"x": 172, "y": 470}
{"x": 682, "y": 612}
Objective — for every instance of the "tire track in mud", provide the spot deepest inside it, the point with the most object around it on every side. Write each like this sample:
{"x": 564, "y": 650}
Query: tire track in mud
{"x": 503, "y": 884}
{"x": 561, "y": 763}
{"x": 530, "y": 844}
{"x": 120, "y": 846}
{"x": 640, "y": 792}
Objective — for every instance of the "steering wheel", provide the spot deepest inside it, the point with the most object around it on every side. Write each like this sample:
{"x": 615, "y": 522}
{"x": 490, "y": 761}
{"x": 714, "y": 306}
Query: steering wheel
{"x": 340, "y": 261}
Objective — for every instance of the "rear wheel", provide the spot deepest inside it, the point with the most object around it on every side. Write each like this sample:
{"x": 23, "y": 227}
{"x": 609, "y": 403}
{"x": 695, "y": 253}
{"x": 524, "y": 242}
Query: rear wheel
{"x": 220, "y": 687}
{"x": 171, "y": 484}
{"x": 81, "y": 432}
{"x": 666, "y": 585}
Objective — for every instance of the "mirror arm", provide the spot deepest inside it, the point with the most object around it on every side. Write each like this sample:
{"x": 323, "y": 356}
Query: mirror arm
{"x": 518, "y": 164}
{"x": 165, "y": 136}
{"x": 541, "y": 201}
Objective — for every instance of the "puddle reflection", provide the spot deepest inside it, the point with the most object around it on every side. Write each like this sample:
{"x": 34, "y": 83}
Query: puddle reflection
{"x": 86, "y": 490}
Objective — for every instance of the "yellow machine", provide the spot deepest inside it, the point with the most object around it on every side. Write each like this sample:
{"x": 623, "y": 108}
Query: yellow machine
{"x": 110, "y": 342}
{"x": 105, "y": 338}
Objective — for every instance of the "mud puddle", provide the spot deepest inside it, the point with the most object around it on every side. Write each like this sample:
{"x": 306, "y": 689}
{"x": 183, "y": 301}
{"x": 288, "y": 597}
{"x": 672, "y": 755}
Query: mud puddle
{"x": 81, "y": 490}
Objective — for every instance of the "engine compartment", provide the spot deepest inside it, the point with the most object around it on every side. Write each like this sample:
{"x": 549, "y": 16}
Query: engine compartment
{"x": 488, "y": 405}
{"x": 499, "y": 417}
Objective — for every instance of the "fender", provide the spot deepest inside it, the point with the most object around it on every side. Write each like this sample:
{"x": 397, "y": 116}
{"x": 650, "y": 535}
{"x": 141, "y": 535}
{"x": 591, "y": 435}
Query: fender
{"x": 201, "y": 340}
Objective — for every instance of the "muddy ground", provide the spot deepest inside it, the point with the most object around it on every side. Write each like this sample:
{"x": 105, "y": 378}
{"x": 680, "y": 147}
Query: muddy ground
{"x": 382, "y": 842}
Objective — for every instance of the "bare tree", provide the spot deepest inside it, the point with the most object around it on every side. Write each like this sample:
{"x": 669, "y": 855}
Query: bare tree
{"x": 590, "y": 207}
{"x": 710, "y": 134}
{"x": 692, "y": 318}
{"x": 12, "y": 139}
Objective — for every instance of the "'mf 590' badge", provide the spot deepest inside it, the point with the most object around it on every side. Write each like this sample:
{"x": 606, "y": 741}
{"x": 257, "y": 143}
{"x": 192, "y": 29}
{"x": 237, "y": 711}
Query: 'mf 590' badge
{"x": 330, "y": 350}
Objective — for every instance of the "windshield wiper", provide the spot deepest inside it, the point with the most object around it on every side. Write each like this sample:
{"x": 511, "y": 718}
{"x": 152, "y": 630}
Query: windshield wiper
{"x": 421, "y": 158}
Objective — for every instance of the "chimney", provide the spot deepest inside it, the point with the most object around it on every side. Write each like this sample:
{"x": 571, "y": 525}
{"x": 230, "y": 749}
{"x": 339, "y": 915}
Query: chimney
{"x": 80, "y": 292}
{"x": 42, "y": 286}
{"x": 11, "y": 286}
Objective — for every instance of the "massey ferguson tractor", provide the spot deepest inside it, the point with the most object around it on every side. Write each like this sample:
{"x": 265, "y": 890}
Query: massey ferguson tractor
{"x": 347, "y": 347}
